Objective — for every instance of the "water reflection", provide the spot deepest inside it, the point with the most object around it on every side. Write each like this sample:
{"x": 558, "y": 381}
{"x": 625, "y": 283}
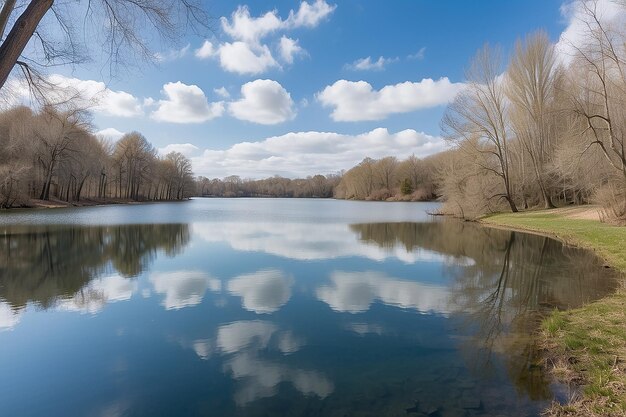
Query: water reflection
{"x": 514, "y": 278}
{"x": 370, "y": 319}
{"x": 305, "y": 241}
{"x": 183, "y": 288}
{"x": 509, "y": 273}
{"x": 354, "y": 292}
{"x": 246, "y": 342}
{"x": 264, "y": 291}
{"x": 97, "y": 293}
{"x": 45, "y": 264}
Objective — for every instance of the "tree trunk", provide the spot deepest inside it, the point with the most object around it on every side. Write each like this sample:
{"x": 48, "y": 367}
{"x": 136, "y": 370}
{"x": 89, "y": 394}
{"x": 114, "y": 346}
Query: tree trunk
{"x": 20, "y": 34}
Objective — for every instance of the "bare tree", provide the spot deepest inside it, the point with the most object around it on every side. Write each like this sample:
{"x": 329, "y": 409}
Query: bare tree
{"x": 478, "y": 118}
{"x": 530, "y": 86}
{"x": 122, "y": 27}
{"x": 600, "y": 99}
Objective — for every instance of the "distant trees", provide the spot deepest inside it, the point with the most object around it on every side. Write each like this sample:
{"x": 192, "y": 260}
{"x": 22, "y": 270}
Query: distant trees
{"x": 53, "y": 155}
{"x": 388, "y": 179}
{"x": 318, "y": 186}
{"x": 541, "y": 132}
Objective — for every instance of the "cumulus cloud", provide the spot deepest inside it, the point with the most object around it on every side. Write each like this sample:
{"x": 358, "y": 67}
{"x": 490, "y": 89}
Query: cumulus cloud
{"x": 186, "y": 149}
{"x": 248, "y": 53}
{"x": 609, "y": 12}
{"x": 185, "y": 104}
{"x": 366, "y": 64}
{"x": 90, "y": 94}
{"x": 207, "y": 50}
{"x": 358, "y": 101}
{"x": 222, "y": 92}
{"x": 244, "y": 27}
{"x": 310, "y": 15}
{"x": 110, "y": 133}
{"x": 289, "y": 48}
{"x": 298, "y": 154}
{"x": 264, "y": 102}
{"x": 243, "y": 58}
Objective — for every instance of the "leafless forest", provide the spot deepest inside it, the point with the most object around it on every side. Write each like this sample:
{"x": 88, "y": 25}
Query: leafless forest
{"x": 53, "y": 154}
{"x": 541, "y": 129}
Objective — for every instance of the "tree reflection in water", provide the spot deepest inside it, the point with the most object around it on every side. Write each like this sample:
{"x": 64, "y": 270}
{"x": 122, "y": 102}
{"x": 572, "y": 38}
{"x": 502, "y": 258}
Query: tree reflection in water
{"x": 44, "y": 264}
{"x": 501, "y": 295}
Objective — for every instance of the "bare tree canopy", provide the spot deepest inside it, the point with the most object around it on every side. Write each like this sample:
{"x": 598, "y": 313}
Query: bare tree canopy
{"x": 42, "y": 33}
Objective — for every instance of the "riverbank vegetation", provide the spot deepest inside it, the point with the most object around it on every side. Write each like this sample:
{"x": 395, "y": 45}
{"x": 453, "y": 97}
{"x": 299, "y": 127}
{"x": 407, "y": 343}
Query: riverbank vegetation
{"x": 543, "y": 129}
{"x": 52, "y": 155}
{"x": 586, "y": 346}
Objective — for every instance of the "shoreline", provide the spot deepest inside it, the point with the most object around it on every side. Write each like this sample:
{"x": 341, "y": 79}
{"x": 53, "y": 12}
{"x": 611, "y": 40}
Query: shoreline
{"x": 88, "y": 202}
{"x": 585, "y": 347}
{"x": 91, "y": 202}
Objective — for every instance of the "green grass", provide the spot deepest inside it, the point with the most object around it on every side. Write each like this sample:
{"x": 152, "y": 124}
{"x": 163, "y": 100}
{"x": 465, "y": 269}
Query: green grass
{"x": 588, "y": 344}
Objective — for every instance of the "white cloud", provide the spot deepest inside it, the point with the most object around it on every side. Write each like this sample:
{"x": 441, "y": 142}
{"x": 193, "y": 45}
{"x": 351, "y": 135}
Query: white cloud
{"x": 419, "y": 55}
{"x": 207, "y": 50}
{"x": 183, "y": 288}
{"x": 299, "y": 154}
{"x": 250, "y": 29}
{"x": 242, "y": 26}
{"x": 185, "y": 104}
{"x": 248, "y": 54}
{"x": 264, "y": 291}
{"x": 97, "y": 96}
{"x": 354, "y": 292}
{"x": 310, "y": 15}
{"x": 186, "y": 149}
{"x": 172, "y": 54}
{"x": 110, "y": 133}
{"x": 243, "y": 58}
{"x": 357, "y": 101}
{"x": 289, "y": 48}
{"x": 366, "y": 64}
{"x": 89, "y": 94}
{"x": 264, "y": 102}
{"x": 609, "y": 12}
{"x": 222, "y": 92}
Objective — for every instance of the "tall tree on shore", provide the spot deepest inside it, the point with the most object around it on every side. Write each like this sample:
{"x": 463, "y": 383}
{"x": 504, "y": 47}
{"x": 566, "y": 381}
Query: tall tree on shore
{"x": 477, "y": 119}
{"x": 530, "y": 86}
{"x": 599, "y": 101}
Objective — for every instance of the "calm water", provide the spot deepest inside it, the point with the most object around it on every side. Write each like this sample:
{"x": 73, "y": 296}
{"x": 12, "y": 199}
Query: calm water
{"x": 276, "y": 308}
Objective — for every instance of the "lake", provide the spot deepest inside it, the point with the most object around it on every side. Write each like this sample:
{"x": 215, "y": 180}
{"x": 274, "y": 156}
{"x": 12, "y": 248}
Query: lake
{"x": 277, "y": 307}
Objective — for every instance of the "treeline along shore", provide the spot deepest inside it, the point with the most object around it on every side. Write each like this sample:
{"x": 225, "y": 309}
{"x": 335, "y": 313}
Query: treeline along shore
{"x": 51, "y": 156}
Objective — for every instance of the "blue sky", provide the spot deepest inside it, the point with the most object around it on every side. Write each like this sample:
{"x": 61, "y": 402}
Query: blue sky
{"x": 323, "y": 103}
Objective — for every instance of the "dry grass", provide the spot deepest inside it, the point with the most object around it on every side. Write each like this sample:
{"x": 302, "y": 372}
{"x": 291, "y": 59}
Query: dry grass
{"x": 585, "y": 347}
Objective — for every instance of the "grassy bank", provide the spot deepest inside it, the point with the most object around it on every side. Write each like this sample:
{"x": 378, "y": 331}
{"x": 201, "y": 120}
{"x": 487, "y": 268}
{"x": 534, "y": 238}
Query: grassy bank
{"x": 585, "y": 346}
